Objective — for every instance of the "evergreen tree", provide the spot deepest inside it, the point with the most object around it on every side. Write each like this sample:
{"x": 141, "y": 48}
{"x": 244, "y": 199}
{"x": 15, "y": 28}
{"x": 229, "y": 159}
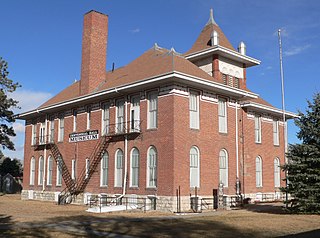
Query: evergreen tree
{"x": 13, "y": 167}
{"x": 6, "y": 106}
{"x": 303, "y": 168}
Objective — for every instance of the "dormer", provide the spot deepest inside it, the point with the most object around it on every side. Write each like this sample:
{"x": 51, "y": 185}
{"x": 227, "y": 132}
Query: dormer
{"x": 213, "y": 53}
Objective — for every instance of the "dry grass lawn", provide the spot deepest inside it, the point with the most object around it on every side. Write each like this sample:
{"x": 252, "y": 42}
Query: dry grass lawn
{"x": 45, "y": 219}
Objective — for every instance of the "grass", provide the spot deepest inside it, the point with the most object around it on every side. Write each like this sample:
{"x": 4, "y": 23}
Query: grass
{"x": 45, "y": 219}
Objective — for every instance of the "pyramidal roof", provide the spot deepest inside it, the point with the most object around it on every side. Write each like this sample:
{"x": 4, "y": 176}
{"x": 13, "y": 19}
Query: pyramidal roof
{"x": 154, "y": 62}
{"x": 204, "y": 39}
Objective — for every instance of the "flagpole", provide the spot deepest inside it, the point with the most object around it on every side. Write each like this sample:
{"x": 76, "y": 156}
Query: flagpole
{"x": 283, "y": 112}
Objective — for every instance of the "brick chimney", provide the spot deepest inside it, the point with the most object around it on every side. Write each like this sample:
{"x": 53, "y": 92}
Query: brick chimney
{"x": 94, "y": 51}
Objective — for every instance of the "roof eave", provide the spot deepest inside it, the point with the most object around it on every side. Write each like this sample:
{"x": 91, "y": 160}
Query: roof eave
{"x": 175, "y": 75}
{"x": 271, "y": 110}
{"x": 225, "y": 52}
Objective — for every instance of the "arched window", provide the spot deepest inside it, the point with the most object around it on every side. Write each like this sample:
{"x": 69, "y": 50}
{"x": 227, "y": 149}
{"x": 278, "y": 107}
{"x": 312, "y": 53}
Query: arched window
{"x": 104, "y": 169}
{"x": 32, "y": 170}
{"x": 194, "y": 167}
{"x": 152, "y": 167}
{"x": 40, "y": 171}
{"x": 258, "y": 171}
{"x": 49, "y": 170}
{"x": 118, "y": 168}
{"x": 59, "y": 172}
{"x": 134, "y": 162}
{"x": 223, "y": 167}
{"x": 276, "y": 172}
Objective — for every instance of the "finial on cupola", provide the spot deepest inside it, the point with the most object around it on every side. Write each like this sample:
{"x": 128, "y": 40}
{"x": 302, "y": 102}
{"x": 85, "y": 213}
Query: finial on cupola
{"x": 211, "y": 19}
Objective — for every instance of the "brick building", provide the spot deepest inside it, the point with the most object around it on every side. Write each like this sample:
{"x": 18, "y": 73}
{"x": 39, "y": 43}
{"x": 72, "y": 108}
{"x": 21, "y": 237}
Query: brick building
{"x": 166, "y": 120}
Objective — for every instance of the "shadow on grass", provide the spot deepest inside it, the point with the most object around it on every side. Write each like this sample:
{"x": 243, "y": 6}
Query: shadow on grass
{"x": 308, "y": 234}
{"x": 90, "y": 226}
{"x": 270, "y": 208}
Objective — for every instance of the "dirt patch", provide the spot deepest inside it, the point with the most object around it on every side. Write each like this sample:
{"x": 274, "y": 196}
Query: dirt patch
{"x": 19, "y": 218}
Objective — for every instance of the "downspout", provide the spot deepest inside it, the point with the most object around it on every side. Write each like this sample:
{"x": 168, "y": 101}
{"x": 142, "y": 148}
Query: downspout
{"x": 125, "y": 150}
{"x": 237, "y": 141}
{"x": 45, "y": 156}
{"x": 237, "y": 152}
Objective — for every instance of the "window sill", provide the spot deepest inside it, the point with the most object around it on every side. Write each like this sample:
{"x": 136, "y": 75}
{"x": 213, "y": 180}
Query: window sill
{"x": 195, "y": 129}
{"x": 152, "y": 129}
{"x": 151, "y": 188}
{"x": 103, "y": 186}
{"x": 258, "y": 143}
{"x": 223, "y": 133}
{"x": 134, "y": 188}
{"x": 276, "y": 145}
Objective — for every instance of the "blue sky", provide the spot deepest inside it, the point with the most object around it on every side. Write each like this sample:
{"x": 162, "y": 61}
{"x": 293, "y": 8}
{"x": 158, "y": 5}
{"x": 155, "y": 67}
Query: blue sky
{"x": 41, "y": 40}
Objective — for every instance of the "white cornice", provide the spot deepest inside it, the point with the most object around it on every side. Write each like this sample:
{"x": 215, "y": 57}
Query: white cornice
{"x": 272, "y": 110}
{"x": 209, "y": 85}
{"x": 223, "y": 51}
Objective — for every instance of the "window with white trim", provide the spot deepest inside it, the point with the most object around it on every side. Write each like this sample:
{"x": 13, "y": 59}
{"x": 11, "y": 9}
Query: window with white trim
{"x": 276, "y": 163}
{"x": 118, "y": 168}
{"x": 105, "y": 118}
{"x": 152, "y": 167}
{"x": 59, "y": 172}
{"x": 61, "y": 129}
{"x": 40, "y": 170}
{"x": 104, "y": 169}
{"x": 42, "y": 134}
{"x": 120, "y": 116}
{"x": 34, "y": 134}
{"x": 32, "y": 170}
{"x": 135, "y": 114}
{"x": 257, "y": 128}
{"x": 88, "y": 118}
{"x": 134, "y": 168}
{"x": 49, "y": 170}
{"x": 258, "y": 171}
{"x": 152, "y": 110}
{"x": 74, "y": 120}
{"x": 223, "y": 168}
{"x": 194, "y": 167}
{"x": 222, "y": 114}
{"x": 275, "y": 132}
{"x": 51, "y": 130}
{"x": 194, "y": 110}
{"x": 73, "y": 169}
{"x": 87, "y": 168}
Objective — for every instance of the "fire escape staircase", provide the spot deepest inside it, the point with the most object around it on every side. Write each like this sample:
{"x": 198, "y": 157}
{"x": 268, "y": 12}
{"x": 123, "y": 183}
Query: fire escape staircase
{"x": 73, "y": 187}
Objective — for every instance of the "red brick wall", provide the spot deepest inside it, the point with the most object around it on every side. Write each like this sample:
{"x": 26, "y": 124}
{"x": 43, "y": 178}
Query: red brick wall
{"x": 173, "y": 139}
{"x": 94, "y": 51}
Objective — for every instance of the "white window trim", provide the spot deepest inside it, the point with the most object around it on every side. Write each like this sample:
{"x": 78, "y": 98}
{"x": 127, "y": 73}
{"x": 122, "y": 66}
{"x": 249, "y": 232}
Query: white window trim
{"x": 277, "y": 170}
{"x": 73, "y": 169}
{"x": 257, "y": 119}
{"x": 198, "y": 167}
{"x": 276, "y": 139}
{"x": 34, "y": 134}
{"x": 49, "y": 171}
{"x": 226, "y": 184}
{"x": 156, "y": 168}
{"x": 135, "y": 120}
{"x": 196, "y": 113}
{"x": 88, "y": 118}
{"x": 102, "y": 170}
{"x": 87, "y": 168}
{"x": 61, "y": 130}
{"x": 120, "y": 126}
{"x": 156, "y": 111}
{"x": 105, "y": 124}
{"x": 223, "y": 119}
{"x": 131, "y": 168}
{"x": 260, "y": 185}
{"x": 32, "y": 171}
{"x": 75, "y": 120}
{"x": 59, "y": 174}
{"x": 51, "y": 130}
{"x": 116, "y": 171}
{"x": 40, "y": 168}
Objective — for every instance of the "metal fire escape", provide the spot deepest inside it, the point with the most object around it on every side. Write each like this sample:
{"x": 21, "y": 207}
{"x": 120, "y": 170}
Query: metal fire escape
{"x": 112, "y": 133}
